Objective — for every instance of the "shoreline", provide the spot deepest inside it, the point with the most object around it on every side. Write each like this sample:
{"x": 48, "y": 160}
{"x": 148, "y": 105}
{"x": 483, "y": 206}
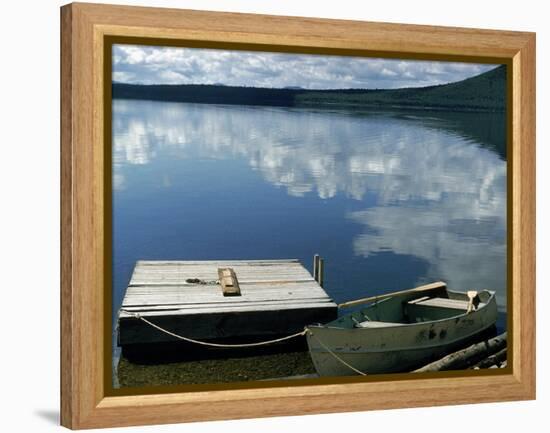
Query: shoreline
{"x": 330, "y": 105}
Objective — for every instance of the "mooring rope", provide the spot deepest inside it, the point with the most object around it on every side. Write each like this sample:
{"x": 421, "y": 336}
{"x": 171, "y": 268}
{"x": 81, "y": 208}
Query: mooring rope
{"x": 259, "y": 343}
{"x": 205, "y": 343}
{"x": 336, "y": 356}
{"x": 201, "y": 282}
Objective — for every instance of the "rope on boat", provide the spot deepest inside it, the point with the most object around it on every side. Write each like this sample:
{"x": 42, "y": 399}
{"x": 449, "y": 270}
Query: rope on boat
{"x": 336, "y": 356}
{"x": 205, "y": 343}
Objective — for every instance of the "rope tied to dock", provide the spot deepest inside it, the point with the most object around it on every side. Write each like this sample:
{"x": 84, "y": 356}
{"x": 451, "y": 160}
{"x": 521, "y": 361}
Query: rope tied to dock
{"x": 206, "y": 343}
{"x": 199, "y": 281}
{"x": 304, "y": 332}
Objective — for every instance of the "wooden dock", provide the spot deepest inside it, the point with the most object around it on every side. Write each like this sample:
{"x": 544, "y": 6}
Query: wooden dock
{"x": 217, "y": 300}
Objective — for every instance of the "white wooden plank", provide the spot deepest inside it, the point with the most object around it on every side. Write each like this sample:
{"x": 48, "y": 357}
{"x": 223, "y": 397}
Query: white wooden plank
{"x": 230, "y": 309}
{"x": 211, "y": 271}
{"x": 182, "y": 300}
{"x": 214, "y": 262}
{"x": 183, "y": 283}
{"x": 215, "y": 305}
{"x": 265, "y": 267}
{"x": 246, "y": 289}
{"x": 199, "y": 288}
{"x": 246, "y": 295}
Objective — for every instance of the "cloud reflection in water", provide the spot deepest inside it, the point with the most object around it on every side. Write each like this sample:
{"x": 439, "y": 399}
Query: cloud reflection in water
{"x": 436, "y": 194}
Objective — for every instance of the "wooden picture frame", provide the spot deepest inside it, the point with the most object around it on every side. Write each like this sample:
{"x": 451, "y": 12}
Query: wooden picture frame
{"x": 86, "y": 400}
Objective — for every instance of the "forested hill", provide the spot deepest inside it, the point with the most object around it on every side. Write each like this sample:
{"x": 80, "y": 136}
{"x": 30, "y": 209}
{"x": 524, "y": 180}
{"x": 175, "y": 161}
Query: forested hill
{"x": 484, "y": 92}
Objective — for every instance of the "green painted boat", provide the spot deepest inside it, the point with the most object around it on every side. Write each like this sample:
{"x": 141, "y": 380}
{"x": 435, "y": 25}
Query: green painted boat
{"x": 402, "y": 331}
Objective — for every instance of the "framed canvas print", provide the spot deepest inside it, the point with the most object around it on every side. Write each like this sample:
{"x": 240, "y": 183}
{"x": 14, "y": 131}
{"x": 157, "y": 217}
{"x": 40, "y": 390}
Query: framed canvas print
{"x": 312, "y": 215}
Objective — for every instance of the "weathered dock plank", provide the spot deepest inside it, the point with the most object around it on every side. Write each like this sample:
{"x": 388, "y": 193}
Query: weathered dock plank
{"x": 277, "y": 297}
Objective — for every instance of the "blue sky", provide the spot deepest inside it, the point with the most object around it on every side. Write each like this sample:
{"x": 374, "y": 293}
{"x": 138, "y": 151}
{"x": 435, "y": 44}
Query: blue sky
{"x": 162, "y": 65}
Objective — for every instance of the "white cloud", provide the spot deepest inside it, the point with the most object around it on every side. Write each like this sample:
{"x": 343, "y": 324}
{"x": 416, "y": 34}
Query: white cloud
{"x": 164, "y": 65}
{"x": 122, "y": 76}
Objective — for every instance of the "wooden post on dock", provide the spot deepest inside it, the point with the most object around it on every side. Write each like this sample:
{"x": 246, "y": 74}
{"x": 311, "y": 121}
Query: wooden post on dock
{"x": 321, "y": 270}
{"x": 316, "y": 267}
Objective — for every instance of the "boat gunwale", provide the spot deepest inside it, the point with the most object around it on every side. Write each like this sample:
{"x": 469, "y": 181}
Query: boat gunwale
{"x": 492, "y": 299}
{"x": 386, "y": 350}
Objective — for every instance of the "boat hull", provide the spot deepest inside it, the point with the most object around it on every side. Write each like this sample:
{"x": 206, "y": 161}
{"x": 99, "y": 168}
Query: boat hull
{"x": 397, "y": 348}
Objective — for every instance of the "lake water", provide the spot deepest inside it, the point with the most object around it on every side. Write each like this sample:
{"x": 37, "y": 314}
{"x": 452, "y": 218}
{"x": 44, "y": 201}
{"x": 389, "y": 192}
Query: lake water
{"x": 391, "y": 200}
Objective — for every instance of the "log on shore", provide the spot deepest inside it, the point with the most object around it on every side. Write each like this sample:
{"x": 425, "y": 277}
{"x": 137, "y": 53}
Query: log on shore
{"x": 468, "y": 357}
{"x": 497, "y": 359}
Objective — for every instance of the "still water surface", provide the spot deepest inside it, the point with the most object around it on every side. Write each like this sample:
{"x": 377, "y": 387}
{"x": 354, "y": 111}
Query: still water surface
{"x": 391, "y": 200}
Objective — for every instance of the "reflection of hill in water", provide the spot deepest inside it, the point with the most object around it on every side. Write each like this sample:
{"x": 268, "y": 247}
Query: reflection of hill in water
{"x": 486, "y": 129}
{"x": 436, "y": 188}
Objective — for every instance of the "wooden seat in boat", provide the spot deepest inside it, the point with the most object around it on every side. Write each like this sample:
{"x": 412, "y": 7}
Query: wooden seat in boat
{"x": 453, "y": 304}
{"x": 375, "y": 324}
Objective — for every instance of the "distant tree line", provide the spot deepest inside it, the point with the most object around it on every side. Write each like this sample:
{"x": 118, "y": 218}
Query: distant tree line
{"x": 484, "y": 92}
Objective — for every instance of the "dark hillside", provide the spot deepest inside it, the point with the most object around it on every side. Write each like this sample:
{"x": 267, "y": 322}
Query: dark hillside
{"x": 484, "y": 92}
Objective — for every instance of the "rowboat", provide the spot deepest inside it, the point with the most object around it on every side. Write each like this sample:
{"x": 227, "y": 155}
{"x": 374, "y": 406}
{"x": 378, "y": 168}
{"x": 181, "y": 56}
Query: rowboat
{"x": 401, "y": 331}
